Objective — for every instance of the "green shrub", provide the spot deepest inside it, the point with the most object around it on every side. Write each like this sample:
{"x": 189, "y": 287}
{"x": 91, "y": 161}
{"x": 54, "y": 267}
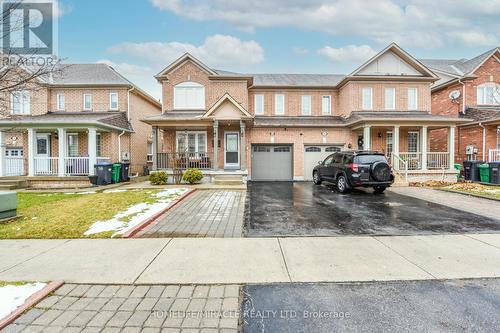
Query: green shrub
{"x": 192, "y": 176}
{"x": 158, "y": 178}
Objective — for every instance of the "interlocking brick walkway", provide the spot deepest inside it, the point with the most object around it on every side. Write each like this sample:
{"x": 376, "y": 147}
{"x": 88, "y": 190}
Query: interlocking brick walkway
{"x": 126, "y": 308}
{"x": 202, "y": 214}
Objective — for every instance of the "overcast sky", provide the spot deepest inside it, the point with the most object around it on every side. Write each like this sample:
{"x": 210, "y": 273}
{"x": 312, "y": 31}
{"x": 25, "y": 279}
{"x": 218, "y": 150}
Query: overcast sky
{"x": 141, "y": 37}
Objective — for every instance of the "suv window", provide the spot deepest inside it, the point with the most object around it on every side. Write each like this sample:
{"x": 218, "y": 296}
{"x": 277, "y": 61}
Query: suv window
{"x": 338, "y": 158}
{"x": 348, "y": 159}
{"x": 369, "y": 159}
{"x": 328, "y": 160}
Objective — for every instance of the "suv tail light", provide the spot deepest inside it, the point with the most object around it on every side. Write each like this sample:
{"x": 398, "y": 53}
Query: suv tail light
{"x": 354, "y": 167}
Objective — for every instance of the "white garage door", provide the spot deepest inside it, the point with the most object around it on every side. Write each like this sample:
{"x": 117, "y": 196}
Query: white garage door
{"x": 272, "y": 163}
{"x": 314, "y": 154}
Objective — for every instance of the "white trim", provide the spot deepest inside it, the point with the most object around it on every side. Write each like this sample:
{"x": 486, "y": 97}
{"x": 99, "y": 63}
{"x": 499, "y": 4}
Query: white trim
{"x": 85, "y": 108}
{"x": 74, "y": 134}
{"x": 232, "y": 165}
{"x": 58, "y": 105}
{"x": 329, "y": 111}
{"x": 187, "y": 142}
{"x": 114, "y": 93}
{"x": 309, "y": 111}
{"x": 198, "y": 91}
{"x": 21, "y": 96}
{"x": 180, "y": 60}
{"x": 232, "y": 100}
{"x": 262, "y": 104}
{"x": 393, "y": 102}
{"x": 276, "y": 96}
{"x": 368, "y": 108}
{"x": 408, "y": 99}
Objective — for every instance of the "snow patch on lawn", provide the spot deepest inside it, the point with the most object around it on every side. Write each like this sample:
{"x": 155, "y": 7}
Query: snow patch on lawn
{"x": 136, "y": 214}
{"x": 13, "y": 296}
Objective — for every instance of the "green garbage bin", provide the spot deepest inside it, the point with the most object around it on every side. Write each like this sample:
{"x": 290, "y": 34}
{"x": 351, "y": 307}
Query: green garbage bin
{"x": 116, "y": 172}
{"x": 484, "y": 173}
{"x": 458, "y": 167}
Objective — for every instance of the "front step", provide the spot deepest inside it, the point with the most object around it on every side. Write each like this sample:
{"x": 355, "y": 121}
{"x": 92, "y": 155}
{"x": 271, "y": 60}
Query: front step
{"x": 12, "y": 184}
{"x": 228, "y": 180}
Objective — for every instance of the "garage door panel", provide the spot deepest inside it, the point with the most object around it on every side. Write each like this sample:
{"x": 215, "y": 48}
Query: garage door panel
{"x": 314, "y": 154}
{"x": 272, "y": 163}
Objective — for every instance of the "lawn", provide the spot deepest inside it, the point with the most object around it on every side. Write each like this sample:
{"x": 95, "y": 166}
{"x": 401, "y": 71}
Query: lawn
{"x": 60, "y": 215}
{"x": 491, "y": 192}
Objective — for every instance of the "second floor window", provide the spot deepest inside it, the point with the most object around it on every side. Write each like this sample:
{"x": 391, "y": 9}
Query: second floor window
{"x": 279, "y": 104}
{"x": 390, "y": 98}
{"x": 306, "y": 105}
{"x": 60, "y": 102}
{"x": 20, "y": 102}
{"x": 87, "y": 102}
{"x": 367, "y": 98}
{"x": 189, "y": 95}
{"x": 412, "y": 99}
{"x": 259, "y": 104}
{"x": 113, "y": 101}
{"x": 326, "y": 105}
{"x": 488, "y": 94}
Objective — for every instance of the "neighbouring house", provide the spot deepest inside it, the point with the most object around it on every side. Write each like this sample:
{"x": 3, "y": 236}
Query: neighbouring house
{"x": 55, "y": 133}
{"x": 269, "y": 127}
{"x": 469, "y": 88}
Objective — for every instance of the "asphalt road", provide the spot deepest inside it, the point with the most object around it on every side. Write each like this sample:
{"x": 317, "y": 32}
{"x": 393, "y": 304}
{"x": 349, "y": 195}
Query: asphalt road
{"x": 422, "y": 306}
{"x": 304, "y": 209}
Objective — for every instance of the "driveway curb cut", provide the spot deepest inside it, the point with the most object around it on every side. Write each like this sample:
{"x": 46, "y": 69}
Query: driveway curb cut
{"x": 147, "y": 223}
{"x": 30, "y": 302}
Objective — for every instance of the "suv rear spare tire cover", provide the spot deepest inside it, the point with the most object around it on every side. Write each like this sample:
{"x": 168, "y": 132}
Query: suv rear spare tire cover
{"x": 381, "y": 171}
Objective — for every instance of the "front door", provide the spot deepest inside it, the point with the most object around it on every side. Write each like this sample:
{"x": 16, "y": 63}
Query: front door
{"x": 231, "y": 150}
{"x": 42, "y": 163}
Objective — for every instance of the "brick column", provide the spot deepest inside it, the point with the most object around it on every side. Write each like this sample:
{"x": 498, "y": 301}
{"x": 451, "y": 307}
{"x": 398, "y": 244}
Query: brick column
{"x": 243, "y": 145}
{"x": 216, "y": 145}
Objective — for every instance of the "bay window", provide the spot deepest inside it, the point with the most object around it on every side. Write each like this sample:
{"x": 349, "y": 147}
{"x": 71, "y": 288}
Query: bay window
{"x": 189, "y": 96}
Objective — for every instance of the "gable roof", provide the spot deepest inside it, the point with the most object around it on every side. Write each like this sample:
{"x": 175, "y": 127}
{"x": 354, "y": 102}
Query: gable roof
{"x": 296, "y": 80}
{"x": 87, "y": 74}
{"x": 224, "y": 98}
{"x": 396, "y": 49}
{"x": 185, "y": 57}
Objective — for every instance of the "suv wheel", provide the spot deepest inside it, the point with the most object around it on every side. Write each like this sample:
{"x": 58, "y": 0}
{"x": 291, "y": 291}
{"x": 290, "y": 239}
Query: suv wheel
{"x": 342, "y": 184}
{"x": 379, "y": 189}
{"x": 316, "y": 178}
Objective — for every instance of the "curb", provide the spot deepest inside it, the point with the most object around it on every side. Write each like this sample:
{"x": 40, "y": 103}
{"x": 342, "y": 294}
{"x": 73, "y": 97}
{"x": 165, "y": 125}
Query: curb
{"x": 147, "y": 223}
{"x": 30, "y": 302}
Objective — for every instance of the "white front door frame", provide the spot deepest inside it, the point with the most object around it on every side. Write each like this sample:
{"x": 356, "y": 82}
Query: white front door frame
{"x": 232, "y": 165}
{"x": 43, "y": 166}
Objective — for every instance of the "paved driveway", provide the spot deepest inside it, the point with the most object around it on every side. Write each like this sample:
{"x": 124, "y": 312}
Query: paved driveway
{"x": 422, "y": 306}
{"x": 303, "y": 209}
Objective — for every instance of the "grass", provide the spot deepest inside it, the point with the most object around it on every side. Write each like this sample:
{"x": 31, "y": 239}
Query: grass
{"x": 490, "y": 192}
{"x": 59, "y": 215}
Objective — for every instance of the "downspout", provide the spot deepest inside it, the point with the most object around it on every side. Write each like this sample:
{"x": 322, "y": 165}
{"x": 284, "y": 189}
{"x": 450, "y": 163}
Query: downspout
{"x": 120, "y": 146}
{"x": 484, "y": 140}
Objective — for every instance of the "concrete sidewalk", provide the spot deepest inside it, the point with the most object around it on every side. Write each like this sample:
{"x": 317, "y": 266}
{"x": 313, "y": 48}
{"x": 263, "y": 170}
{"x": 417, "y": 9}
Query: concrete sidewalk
{"x": 236, "y": 261}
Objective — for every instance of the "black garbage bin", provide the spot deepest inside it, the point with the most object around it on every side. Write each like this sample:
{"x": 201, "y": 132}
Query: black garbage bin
{"x": 471, "y": 170}
{"x": 124, "y": 176}
{"x": 495, "y": 172}
{"x": 103, "y": 173}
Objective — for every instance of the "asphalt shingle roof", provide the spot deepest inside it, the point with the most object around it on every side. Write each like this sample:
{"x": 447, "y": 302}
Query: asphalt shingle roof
{"x": 483, "y": 114}
{"x": 299, "y": 80}
{"x": 88, "y": 74}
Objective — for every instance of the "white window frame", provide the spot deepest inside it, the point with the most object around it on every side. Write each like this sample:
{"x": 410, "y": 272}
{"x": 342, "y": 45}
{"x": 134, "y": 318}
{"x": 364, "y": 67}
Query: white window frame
{"x": 392, "y": 105}
{"x": 24, "y": 100}
{"x": 388, "y": 143}
{"x": 329, "y": 109}
{"x": 303, "y": 110}
{"x": 85, "y": 95}
{"x": 149, "y": 155}
{"x": 276, "y": 97}
{"x": 186, "y": 92}
{"x": 363, "y": 104}
{"x": 410, "y": 108}
{"x": 61, "y": 102}
{"x": 179, "y": 133}
{"x": 77, "y": 144}
{"x": 111, "y": 94}
{"x": 484, "y": 97}
{"x": 418, "y": 141}
{"x": 259, "y": 104}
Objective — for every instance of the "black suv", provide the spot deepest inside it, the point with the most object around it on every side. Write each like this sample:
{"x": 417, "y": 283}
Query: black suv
{"x": 349, "y": 169}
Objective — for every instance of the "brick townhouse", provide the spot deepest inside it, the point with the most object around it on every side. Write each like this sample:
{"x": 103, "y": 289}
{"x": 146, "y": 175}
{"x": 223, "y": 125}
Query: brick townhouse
{"x": 278, "y": 126}
{"x": 85, "y": 113}
{"x": 469, "y": 88}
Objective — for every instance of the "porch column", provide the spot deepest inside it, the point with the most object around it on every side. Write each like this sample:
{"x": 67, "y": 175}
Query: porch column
{"x": 155, "y": 148}
{"x": 31, "y": 151}
{"x": 61, "y": 137}
{"x": 451, "y": 146}
{"x": 424, "y": 148}
{"x": 395, "y": 146}
{"x": 216, "y": 145}
{"x": 92, "y": 137}
{"x": 366, "y": 137}
{"x": 243, "y": 144}
{"x": 2, "y": 154}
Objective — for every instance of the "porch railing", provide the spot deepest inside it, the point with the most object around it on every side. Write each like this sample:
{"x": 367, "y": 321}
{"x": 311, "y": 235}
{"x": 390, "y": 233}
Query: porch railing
{"x": 184, "y": 161}
{"x": 400, "y": 166}
{"x": 46, "y": 166}
{"x": 76, "y": 166}
{"x": 494, "y": 155}
{"x": 14, "y": 166}
{"x": 413, "y": 160}
{"x": 438, "y": 161}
